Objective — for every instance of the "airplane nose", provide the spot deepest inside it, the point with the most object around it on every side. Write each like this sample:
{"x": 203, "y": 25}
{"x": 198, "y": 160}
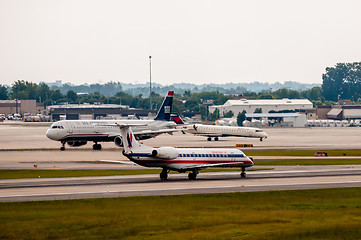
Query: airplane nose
{"x": 50, "y": 134}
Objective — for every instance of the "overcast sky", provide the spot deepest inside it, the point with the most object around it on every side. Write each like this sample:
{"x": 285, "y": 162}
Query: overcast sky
{"x": 193, "y": 41}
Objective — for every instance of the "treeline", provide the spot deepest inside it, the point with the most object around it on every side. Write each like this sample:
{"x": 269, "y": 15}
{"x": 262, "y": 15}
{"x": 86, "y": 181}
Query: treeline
{"x": 342, "y": 82}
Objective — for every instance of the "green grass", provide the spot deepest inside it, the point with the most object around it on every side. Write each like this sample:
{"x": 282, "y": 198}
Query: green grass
{"x": 54, "y": 173}
{"x": 331, "y": 152}
{"x": 304, "y": 162}
{"x": 303, "y": 214}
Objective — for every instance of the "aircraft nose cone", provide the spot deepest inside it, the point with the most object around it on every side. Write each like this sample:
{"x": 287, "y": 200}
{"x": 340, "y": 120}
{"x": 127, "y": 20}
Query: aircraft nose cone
{"x": 50, "y": 134}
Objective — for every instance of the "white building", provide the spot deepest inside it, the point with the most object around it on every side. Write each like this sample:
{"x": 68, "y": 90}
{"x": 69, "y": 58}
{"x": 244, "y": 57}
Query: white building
{"x": 267, "y": 105}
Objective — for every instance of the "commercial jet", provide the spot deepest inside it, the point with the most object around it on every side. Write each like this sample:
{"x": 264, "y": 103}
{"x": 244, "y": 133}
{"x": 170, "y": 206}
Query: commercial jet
{"x": 78, "y": 132}
{"x": 214, "y": 131}
{"x": 181, "y": 159}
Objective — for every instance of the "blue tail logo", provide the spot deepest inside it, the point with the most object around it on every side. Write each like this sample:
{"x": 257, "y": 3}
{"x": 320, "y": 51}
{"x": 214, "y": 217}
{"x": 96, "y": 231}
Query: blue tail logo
{"x": 166, "y": 108}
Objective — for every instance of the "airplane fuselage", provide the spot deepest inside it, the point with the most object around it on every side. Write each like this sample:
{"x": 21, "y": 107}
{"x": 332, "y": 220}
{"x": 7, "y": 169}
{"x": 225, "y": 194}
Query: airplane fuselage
{"x": 183, "y": 159}
{"x": 99, "y": 130}
{"x": 224, "y": 131}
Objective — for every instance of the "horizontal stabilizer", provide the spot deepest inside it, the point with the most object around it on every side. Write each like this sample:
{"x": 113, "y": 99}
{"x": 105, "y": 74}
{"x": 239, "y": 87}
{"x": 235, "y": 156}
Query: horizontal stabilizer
{"x": 115, "y": 161}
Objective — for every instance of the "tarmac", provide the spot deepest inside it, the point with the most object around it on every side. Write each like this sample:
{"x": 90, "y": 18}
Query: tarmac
{"x": 27, "y": 147}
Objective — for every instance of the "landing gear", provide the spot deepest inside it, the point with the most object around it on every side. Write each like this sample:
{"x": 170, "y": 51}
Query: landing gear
{"x": 97, "y": 146}
{"x": 209, "y": 139}
{"x": 216, "y": 139}
{"x": 261, "y": 139}
{"x": 192, "y": 175}
{"x": 62, "y": 148}
{"x": 164, "y": 174}
{"x": 243, "y": 173}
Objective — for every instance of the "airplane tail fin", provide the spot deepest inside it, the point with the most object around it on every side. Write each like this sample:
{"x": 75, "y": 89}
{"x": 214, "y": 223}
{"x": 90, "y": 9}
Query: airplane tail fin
{"x": 176, "y": 118}
{"x": 166, "y": 108}
{"x": 129, "y": 142}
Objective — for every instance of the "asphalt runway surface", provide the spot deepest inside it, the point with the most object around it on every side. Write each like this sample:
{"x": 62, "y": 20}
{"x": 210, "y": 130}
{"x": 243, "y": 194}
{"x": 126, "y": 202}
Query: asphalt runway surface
{"x": 23, "y": 147}
{"x": 147, "y": 185}
{"x": 14, "y": 137}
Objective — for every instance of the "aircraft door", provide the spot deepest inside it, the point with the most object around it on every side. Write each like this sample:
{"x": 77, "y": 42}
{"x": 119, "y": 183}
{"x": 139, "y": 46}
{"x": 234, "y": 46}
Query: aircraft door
{"x": 194, "y": 156}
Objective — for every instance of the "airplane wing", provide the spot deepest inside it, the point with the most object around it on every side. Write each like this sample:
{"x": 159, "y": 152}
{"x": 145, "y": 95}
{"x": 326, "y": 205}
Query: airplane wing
{"x": 153, "y": 133}
{"x": 148, "y": 133}
{"x": 121, "y": 162}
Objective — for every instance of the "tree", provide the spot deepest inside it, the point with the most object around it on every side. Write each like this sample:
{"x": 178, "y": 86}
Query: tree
{"x": 214, "y": 116}
{"x": 342, "y": 82}
{"x": 258, "y": 110}
{"x": 71, "y": 96}
{"x": 3, "y": 92}
{"x": 314, "y": 94}
{"x": 228, "y": 114}
{"x": 241, "y": 117}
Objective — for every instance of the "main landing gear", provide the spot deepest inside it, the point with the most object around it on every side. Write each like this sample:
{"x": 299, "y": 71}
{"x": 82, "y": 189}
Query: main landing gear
{"x": 62, "y": 148}
{"x": 193, "y": 175}
{"x": 164, "y": 174}
{"x": 97, "y": 146}
{"x": 210, "y": 139}
{"x": 243, "y": 173}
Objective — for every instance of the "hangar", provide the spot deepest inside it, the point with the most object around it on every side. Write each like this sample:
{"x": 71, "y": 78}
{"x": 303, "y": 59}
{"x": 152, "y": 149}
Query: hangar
{"x": 20, "y": 106}
{"x": 266, "y": 105}
{"x": 93, "y": 111}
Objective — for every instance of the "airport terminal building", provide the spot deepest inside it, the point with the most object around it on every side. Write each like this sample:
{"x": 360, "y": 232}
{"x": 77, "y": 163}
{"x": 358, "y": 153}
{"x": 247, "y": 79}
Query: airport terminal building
{"x": 20, "y": 106}
{"x": 266, "y": 105}
{"x": 94, "y": 111}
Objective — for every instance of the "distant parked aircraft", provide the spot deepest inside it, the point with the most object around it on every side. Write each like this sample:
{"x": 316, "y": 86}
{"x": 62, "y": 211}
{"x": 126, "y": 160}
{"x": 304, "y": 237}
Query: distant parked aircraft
{"x": 216, "y": 131}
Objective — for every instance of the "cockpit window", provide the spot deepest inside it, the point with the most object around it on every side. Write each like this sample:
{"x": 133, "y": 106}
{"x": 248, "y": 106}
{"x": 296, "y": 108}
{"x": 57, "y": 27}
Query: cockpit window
{"x": 259, "y": 131}
{"x": 60, "y": 127}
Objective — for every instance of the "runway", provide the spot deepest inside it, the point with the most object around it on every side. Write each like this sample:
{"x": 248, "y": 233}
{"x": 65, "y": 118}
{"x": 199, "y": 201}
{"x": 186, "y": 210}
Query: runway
{"x": 31, "y": 148}
{"x": 286, "y": 178}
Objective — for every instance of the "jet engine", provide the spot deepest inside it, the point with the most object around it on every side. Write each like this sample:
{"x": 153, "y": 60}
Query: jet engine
{"x": 76, "y": 143}
{"x": 165, "y": 153}
{"x": 118, "y": 141}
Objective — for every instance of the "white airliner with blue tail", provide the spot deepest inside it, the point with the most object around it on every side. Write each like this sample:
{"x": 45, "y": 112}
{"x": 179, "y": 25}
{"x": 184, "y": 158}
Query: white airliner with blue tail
{"x": 78, "y": 132}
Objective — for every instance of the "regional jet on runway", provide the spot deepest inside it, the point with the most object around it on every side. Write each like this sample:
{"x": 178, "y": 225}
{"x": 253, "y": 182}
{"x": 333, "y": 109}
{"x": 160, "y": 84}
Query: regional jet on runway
{"x": 181, "y": 159}
{"x": 223, "y": 131}
{"x": 78, "y": 132}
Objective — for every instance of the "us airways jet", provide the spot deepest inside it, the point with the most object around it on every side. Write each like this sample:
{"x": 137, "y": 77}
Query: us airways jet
{"x": 181, "y": 159}
{"x": 78, "y": 132}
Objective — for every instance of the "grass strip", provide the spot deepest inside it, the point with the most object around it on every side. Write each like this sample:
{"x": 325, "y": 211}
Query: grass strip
{"x": 302, "y": 214}
{"x": 305, "y": 162}
{"x": 330, "y": 152}
{"x": 56, "y": 173}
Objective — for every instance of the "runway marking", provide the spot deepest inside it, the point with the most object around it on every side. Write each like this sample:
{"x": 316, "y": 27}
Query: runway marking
{"x": 172, "y": 189}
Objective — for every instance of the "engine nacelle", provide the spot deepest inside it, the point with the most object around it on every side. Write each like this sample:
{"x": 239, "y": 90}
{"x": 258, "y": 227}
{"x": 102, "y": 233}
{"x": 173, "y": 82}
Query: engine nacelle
{"x": 76, "y": 143}
{"x": 118, "y": 141}
{"x": 165, "y": 152}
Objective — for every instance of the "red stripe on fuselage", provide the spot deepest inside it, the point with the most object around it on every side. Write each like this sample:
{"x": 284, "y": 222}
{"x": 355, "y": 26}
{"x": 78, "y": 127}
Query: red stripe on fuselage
{"x": 193, "y": 161}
